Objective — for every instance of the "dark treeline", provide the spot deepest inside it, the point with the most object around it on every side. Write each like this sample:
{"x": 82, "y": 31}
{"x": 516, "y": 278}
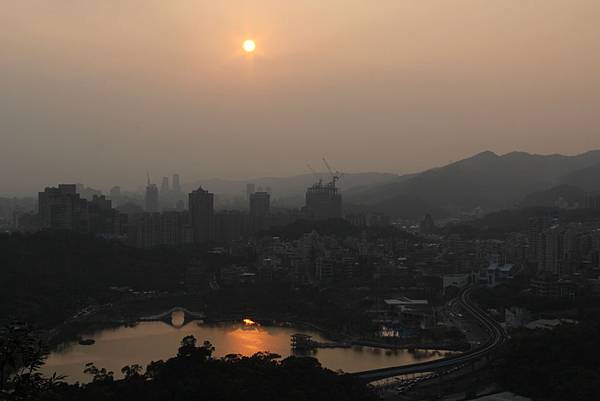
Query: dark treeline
{"x": 503, "y": 297}
{"x": 46, "y": 276}
{"x": 339, "y": 228}
{"x": 557, "y": 365}
{"x": 333, "y": 227}
{"x": 498, "y": 225}
{"x": 550, "y": 365}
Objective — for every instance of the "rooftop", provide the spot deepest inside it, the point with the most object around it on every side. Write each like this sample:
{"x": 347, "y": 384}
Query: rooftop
{"x": 404, "y": 301}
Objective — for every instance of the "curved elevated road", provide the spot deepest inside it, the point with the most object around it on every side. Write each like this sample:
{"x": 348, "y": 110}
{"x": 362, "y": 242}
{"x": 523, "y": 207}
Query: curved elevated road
{"x": 496, "y": 337}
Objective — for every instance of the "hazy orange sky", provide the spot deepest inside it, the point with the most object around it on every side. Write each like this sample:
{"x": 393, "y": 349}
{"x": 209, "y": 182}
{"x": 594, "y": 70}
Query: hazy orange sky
{"x": 99, "y": 91}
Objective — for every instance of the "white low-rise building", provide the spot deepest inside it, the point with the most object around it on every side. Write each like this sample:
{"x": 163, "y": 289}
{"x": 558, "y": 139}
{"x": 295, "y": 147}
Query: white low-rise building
{"x": 459, "y": 280}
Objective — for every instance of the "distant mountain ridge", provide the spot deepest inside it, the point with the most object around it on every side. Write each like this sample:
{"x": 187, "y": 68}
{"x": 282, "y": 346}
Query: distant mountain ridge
{"x": 486, "y": 180}
{"x": 587, "y": 178}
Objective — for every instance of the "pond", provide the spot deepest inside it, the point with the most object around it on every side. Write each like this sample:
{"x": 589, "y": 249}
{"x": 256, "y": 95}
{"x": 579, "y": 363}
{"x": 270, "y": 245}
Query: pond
{"x": 152, "y": 341}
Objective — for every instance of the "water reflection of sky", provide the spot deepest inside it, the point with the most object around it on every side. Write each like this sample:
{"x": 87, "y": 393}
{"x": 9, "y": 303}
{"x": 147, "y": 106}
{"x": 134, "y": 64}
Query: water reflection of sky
{"x": 151, "y": 341}
{"x": 250, "y": 340}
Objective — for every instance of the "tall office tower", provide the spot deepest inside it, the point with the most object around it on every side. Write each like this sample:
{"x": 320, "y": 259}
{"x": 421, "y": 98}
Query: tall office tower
{"x": 176, "y": 186}
{"x": 201, "y": 206}
{"x": 260, "y": 205}
{"x": 323, "y": 201}
{"x": 151, "y": 198}
{"x": 115, "y": 195}
{"x": 62, "y": 208}
{"x": 164, "y": 187}
{"x": 249, "y": 190}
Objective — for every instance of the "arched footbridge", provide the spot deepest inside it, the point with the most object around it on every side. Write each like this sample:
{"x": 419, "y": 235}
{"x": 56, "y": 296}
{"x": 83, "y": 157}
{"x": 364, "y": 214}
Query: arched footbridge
{"x": 167, "y": 316}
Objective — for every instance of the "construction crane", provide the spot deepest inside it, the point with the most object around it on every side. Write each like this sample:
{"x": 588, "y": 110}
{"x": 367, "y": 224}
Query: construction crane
{"x": 335, "y": 175}
{"x": 317, "y": 176}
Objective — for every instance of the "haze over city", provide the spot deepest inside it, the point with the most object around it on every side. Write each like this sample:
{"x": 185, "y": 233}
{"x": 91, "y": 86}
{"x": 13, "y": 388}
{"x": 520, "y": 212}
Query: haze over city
{"x": 102, "y": 91}
{"x": 308, "y": 200}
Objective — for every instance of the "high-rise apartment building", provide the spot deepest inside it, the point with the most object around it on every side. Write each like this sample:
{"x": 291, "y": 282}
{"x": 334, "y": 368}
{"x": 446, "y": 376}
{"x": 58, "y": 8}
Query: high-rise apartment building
{"x": 164, "y": 186}
{"x": 151, "y": 198}
{"x": 115, "y": 195}
{"x": 175, "y": 184}
{"x": 148, "y": 230}
{"x": 61, "y": 208}
{"x": 201, "y": 207}
{"x": 260, "y": 204}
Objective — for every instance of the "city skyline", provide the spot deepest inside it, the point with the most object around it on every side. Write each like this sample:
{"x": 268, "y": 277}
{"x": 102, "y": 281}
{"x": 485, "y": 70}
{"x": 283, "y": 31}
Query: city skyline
{"x": 139, "y": 184}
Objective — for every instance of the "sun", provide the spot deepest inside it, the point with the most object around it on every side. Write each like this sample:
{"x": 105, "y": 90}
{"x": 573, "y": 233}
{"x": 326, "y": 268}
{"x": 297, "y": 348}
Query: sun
{"x": 249, "y": 46}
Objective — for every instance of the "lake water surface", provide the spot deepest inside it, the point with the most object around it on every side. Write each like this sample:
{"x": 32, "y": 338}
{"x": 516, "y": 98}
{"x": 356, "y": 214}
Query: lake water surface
{"x": 152, "y": 341}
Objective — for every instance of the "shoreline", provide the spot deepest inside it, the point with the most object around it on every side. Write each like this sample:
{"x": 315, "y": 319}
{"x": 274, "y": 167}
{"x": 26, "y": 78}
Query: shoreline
{"x": 73, "y": 331}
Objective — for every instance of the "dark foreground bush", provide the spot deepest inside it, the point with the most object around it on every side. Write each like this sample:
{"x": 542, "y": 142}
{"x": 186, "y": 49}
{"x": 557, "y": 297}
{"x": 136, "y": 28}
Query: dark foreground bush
{"x": 194, "y": 374}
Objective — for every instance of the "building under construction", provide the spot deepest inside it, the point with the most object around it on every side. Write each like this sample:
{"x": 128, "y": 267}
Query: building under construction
{"x": 324, "y": 201}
